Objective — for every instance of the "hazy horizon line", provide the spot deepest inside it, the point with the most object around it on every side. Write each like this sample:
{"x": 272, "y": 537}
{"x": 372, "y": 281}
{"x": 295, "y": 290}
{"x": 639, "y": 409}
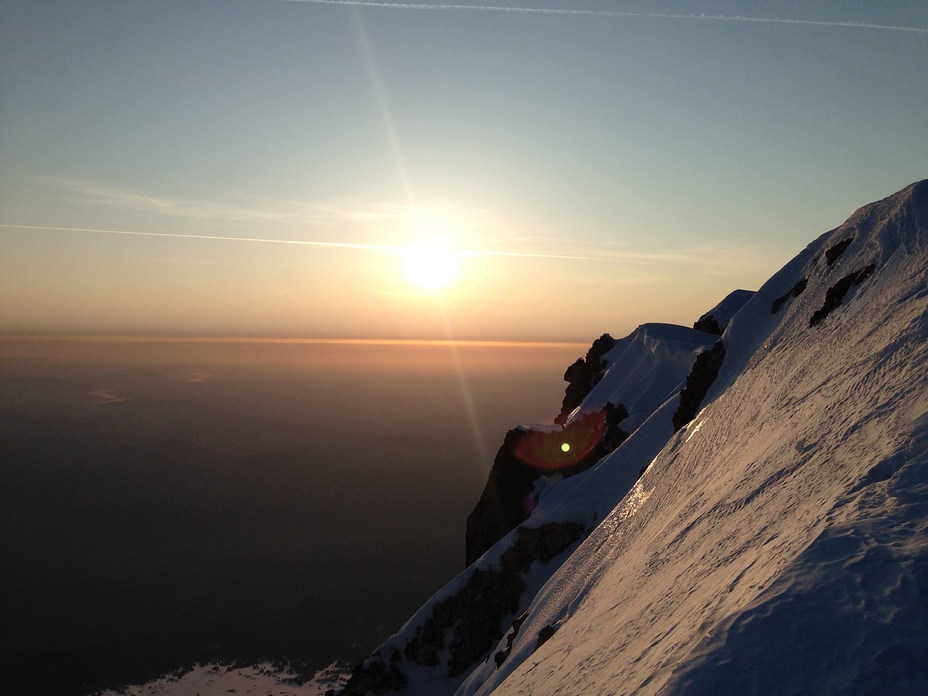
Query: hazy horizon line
{"x": 287, "y": 340}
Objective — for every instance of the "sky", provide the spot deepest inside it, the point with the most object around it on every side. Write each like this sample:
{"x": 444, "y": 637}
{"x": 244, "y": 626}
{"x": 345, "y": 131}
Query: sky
{"x": 263, "y": 167}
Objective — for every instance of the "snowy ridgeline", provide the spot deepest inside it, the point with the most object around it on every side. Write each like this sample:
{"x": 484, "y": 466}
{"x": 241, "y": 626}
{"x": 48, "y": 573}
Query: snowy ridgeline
{"x": 777, "y": 541}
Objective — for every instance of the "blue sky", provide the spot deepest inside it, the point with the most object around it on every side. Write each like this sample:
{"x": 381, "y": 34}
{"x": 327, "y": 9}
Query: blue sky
{"x": 673, "y": 157}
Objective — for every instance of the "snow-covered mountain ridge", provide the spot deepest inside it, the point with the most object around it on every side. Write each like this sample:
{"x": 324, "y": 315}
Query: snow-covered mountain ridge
{"x": 777, "y": 542}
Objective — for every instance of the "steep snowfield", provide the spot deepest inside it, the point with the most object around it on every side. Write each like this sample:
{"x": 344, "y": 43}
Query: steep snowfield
{"x": 779, "y": 542}
{"x": 645, "y": 369}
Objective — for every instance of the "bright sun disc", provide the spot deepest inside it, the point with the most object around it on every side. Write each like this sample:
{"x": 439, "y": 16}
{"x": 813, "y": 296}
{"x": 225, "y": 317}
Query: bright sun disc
{"x": 430, "y": 267}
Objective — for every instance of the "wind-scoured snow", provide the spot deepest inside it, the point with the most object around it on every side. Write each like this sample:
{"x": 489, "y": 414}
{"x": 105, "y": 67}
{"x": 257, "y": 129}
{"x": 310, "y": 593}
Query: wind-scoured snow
{"x": 645, "y": 372}
{"x": 644, "y": 369}
{"x": 777, "y": 544}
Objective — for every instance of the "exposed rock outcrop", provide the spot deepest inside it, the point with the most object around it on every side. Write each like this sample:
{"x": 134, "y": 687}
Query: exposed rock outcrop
{"x": 583, "y": 375}
{"x": 794, "y": 291}
{"x": 705, "y": 370}
{"x": 375, "y": 677}
{"x": 707, "y": 323}
{"x": 465, "y": 626}
{"x": 832, "y": 254}
{"x": 716, "y": 320}
{"x": 526, "y": 455}
{"x": 835, "y": 294}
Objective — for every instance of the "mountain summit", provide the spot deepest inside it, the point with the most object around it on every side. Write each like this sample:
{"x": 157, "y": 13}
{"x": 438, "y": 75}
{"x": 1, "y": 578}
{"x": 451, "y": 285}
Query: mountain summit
{"x": 761, "y": 528}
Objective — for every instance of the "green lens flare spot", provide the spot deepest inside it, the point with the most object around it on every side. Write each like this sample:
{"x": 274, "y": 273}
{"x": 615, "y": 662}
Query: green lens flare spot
{"x": 565, "y": 447}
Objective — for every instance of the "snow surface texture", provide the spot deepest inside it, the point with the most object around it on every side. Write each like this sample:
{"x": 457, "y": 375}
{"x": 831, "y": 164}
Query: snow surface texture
{"x": 644, "y": 370}
{"x": 776, "y": 544}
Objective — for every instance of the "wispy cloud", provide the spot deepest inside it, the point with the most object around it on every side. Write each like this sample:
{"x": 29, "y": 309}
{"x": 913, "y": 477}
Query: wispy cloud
{"x": 616, "y": 13}
{"x": 107, "y": 396}
{"x": 393, "y": 223}
{"x": 376, "y": 227}
{"x": 250, "y": 210}
{"x": 657, "y": 264}
{"x": 346, "y": 224}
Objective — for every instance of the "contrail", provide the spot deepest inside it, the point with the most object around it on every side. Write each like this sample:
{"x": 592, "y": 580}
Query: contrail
{"x": 613, "y": 13}
{"x": 393, "y": 249}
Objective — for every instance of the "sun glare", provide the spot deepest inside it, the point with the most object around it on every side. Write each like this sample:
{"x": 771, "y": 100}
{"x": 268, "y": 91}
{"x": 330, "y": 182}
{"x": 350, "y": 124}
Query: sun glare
{"x": 429, "y": 266}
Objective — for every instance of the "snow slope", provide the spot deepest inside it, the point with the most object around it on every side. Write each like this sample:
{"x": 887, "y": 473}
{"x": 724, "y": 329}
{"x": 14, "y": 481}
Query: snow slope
{"x": 645, "y": 372}
{"x": 645, "y": 369}
{"x": 777, "y": 544}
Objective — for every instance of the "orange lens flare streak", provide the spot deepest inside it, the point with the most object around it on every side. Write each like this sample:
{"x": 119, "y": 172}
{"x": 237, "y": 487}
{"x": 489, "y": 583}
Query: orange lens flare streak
{"x": 557, "y": 450}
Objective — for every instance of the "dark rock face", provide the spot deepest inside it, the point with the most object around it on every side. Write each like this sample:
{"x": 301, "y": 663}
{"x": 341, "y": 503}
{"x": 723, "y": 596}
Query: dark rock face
{"x": 490, "y": 596}
{"x": 467, "y": 624}
{"x": 525, "y": 456}
{"x": 795, "y": 291}
{"x": 705, "y": 370}
{"x": 832, "y": 254}
{"x": 500, "y": 657}
{"x": 835, "y": 295}
{"x": 583, "y": 375}
{"x": 544, "y": 635}
{"x": 708, "y": 324}
{"x": 376, "y": 678}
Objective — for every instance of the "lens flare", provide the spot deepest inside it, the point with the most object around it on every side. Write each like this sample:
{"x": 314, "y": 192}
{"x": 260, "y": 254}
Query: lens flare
{"x": 577, "y": 445}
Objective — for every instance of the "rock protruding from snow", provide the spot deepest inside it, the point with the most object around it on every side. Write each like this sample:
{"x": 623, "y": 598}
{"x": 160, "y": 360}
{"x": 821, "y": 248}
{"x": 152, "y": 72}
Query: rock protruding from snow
{"x": 646, "y": 368}
{"x": 583, "y": 375}
{"x": 794, "y": 291}
{"x": 705, "y": 370}
{"x": 528, "y": 454}
{"x": 836, "y": 293}
{"x": 715, "y": 321}
{"x": 459, "y": 628}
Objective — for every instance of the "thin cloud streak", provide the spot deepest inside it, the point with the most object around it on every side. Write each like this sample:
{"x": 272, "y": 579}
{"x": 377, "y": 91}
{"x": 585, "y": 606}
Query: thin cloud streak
{"x": 393, "y": 249}
{"x": 485, "y": 227}
{"x": 404, "y": 218}
{"x": 719, "y": 259}
{"x": 277, "y": 211}
{"x": 613, "y": 13}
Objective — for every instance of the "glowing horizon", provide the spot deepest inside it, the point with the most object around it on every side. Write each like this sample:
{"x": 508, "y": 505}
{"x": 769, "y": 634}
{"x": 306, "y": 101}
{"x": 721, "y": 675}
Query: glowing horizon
{"x": 390, "y": 342}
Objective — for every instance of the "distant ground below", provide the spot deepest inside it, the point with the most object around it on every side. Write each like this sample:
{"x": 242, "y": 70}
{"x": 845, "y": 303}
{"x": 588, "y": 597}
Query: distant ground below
{"x": 161, "y": 505}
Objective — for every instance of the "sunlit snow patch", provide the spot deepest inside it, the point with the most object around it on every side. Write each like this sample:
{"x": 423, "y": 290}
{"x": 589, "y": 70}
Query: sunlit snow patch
{"x": 694, "y": 430}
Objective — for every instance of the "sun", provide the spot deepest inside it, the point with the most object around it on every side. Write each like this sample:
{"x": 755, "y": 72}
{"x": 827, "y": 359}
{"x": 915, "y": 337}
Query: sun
{"x": 430, "y": 266}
